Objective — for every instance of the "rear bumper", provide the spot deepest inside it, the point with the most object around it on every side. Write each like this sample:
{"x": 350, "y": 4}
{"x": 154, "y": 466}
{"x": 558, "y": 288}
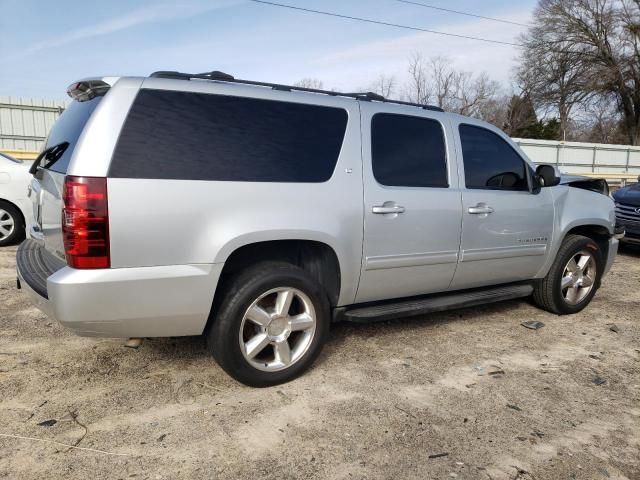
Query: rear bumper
{"x": 158, "y": 301}
{"x": 34, "y": 264}
{"x": 39, "y": 301}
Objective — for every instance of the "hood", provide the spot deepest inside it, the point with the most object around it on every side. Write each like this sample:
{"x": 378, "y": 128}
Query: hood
{"x": 628, "y": 195}
{"x": 567, "y": 179}
{"x": 598, "y": 185}
{"x": 11, "y": 166}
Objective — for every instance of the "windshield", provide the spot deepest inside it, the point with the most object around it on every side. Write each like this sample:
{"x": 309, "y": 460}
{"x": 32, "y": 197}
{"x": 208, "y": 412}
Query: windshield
{"x": 68, "y": 129}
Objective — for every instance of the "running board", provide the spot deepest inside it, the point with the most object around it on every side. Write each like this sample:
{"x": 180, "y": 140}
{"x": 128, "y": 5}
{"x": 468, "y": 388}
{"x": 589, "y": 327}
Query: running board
{"x": 423, "y": 305}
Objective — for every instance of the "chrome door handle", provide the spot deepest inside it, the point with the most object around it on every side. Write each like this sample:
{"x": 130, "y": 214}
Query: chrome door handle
{"x": 480, "y": 209}
{"x": 382, "y": 209}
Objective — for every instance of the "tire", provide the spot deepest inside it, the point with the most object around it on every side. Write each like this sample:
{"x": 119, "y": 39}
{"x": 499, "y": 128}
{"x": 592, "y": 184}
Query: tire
{"x": 252, "y": 323}
{"x": 551, "y": 295}
{"x": 11, "y": 224}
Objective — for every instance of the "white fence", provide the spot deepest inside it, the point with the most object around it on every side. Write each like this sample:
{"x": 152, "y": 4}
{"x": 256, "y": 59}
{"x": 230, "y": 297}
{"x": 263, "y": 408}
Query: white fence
{"x": 25, "y": 122}
{"x": 584, "y": 158}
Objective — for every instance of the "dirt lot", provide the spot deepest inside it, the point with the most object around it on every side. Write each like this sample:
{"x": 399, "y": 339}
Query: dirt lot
{"x": 500, "y": 400}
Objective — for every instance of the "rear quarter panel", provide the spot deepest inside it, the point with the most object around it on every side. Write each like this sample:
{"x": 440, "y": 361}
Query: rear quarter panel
{"x": 180, "y": 222}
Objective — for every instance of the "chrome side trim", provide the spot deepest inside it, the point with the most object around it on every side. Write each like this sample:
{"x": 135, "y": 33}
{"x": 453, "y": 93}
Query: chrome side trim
{"x": 410, "y": 260}
{"x": 476, "y": 254}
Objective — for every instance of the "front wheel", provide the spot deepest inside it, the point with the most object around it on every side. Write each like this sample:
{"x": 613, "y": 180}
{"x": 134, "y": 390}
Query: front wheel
{"x": 271, "y": 324}
{"x": 573, "y": 278}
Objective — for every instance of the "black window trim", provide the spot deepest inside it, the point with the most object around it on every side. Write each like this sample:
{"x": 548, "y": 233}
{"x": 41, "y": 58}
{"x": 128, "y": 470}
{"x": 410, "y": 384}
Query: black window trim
{"x": 446, "y": 151}
{"x": 527, "y": 169}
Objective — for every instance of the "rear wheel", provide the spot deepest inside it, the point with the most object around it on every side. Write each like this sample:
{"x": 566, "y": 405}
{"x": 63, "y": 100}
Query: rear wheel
{"x": 11, "y": 224}
{"x": 573, "y": 278}
{"x": 271, "y": 324}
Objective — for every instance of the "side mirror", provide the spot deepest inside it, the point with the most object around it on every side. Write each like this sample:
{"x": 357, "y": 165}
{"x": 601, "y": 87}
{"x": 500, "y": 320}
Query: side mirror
{"x": 547, "y": 176}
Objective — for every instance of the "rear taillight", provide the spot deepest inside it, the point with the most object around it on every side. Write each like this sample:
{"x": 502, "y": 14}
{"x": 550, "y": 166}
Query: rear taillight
{"x": 85, "y": 222}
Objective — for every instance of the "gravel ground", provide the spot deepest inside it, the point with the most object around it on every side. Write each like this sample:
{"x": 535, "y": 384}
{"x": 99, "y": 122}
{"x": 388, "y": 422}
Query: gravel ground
{"x": 498, "y": 401}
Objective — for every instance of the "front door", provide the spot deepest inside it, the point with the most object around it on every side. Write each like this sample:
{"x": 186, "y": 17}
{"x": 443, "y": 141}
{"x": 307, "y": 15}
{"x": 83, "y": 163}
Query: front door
{"x": 506, "y": 229}
{"x": 412, "y": 204}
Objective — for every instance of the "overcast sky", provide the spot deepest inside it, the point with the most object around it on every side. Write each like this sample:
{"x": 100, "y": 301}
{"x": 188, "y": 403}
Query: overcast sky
{"x": 46, "y": 45}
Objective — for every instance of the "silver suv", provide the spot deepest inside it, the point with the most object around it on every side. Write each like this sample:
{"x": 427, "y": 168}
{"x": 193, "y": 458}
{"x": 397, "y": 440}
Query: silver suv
{"x": 256, "y": 214}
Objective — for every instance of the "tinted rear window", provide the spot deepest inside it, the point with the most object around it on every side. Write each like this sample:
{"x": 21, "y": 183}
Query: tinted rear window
{"x": 68, "y": 128}
{"x": 408, "y": 151}
{"x": 196, "y": 136}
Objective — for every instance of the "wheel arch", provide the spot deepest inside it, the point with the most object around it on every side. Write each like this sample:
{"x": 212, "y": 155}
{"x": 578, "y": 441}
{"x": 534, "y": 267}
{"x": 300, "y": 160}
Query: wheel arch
{"x": 317, "y": 258}
{"x": 597, "y": 230}
{"x": 598, "y": 233}
{"x": 17, "y": 207}
{"x": 20, "y": 225}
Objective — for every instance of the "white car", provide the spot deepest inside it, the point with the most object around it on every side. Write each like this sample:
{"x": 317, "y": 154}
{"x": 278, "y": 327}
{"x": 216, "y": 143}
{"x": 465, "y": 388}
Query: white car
{"x": 15, "y": 206}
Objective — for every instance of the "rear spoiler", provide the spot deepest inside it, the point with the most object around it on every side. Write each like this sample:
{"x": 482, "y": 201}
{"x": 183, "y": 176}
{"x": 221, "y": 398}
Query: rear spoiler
{"x": 89, "y": 88}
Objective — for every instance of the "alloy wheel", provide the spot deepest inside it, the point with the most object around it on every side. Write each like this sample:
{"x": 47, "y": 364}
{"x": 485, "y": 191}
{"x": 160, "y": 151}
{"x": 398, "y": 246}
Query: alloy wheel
{"x": 7, "y": 224}
{"x": 578, "y": 277}
{"x": 277, "y": 329}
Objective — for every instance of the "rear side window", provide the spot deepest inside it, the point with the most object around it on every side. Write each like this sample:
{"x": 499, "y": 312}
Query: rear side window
{"x": 408, "y": 151}
{"x": 68, "y": 128}
{"x": 196, "y": 136}
{"x": 490, "y": 163}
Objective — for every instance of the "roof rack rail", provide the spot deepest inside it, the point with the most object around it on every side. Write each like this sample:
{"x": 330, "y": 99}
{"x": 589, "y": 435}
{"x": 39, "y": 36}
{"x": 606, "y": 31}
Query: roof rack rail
{"x": 225, "y": 77}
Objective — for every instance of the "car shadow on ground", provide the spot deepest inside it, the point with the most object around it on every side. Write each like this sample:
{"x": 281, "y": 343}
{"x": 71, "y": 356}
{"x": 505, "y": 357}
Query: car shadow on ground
{"x": 194, "y": 348}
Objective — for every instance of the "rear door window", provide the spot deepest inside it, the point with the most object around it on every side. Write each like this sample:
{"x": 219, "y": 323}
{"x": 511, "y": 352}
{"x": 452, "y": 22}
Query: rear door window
{"x": 68, "y": 128}
{"x": 197, "y": 136}
{"x": 408, "y": 151}
{"x": 490, "y": 163}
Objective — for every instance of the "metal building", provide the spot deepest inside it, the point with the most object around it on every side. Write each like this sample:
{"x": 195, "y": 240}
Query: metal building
{"x": 25, "y": 123}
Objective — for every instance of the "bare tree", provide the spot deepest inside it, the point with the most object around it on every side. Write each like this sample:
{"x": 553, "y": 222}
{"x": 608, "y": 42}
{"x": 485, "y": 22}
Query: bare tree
{"x": 579, "y": 48}
{"x": 495, "y": 110}
{"x": 472, "y": 93}
{"x": 552, "y": 75}
{"x": 601, "y": 122}
{"x": 444, "y": 80}
{"x": 437, "y": 81}
{"x": 384, "y": 85}
{"x": 418, "y": 89}
{"x": 309, "y": 83}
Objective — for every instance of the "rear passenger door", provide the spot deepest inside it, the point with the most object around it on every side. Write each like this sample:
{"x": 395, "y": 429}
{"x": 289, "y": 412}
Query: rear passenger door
{"x": 412, "y": 204}
{"x": 506, "y": 228}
